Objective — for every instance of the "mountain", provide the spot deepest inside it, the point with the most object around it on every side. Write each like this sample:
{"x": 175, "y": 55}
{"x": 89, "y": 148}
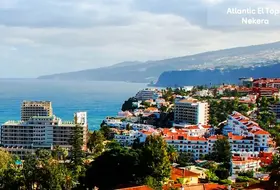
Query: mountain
{"x": 228, "y": 59}
{"x": 216, "y": 76}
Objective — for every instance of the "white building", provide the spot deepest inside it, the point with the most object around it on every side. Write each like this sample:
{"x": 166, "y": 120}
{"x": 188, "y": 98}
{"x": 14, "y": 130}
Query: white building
{"x": 245, "y": 165}
{"x": 35, "y": 108}
{"x": 191, "y": 111}
{"x": 127, "y": 138}
{"x": 22, "y": 137}
{"x": 242, "y": 127}
{"x": 187, "y": 88}
{"x": 39, "y": 128}
{"x": 204, "y": 93}
{"x": 181, "y": 141}
{"x": 146, "y": 94}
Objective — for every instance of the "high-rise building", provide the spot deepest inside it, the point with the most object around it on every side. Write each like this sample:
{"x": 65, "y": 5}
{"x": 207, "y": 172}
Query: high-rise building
{"x": 146, "y": 94}
{"x": 35, "y": 108}
{"x": 191, "y": 111}
{"x": 22, "y": 137}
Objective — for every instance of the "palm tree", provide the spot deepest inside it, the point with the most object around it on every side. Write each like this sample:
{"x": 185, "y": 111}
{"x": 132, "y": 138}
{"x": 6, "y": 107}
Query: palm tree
{"x": 172, "y": 154}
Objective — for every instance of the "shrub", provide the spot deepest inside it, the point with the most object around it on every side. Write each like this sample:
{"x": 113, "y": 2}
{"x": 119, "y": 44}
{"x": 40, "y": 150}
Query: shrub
{"x": 242, "y": 179}
{"x": 225, "y": 182}
{"x": 249, "y": 174}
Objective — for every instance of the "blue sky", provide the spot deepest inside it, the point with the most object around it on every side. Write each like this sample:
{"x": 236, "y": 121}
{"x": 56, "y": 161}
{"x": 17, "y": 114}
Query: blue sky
{"x": 40, "y": 37}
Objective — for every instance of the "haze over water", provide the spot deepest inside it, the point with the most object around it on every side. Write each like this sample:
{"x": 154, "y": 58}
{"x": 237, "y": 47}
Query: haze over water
{"x": 99, "y": 99}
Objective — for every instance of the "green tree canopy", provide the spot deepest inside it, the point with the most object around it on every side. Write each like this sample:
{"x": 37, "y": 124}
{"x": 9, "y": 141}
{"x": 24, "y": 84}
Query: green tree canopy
{"x": 130, "y": 104}
{"x": 144, "y": 163}
{"x": 222, "y": 150}
{"x": 5, "y": 159}
{"x": 96, "y": 142}
{"x": 185, "y": 159}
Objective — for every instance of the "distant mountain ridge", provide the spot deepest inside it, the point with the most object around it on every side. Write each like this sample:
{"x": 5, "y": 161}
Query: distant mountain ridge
{"x": 227, "y": 59}
{"x": 216, "y": 76}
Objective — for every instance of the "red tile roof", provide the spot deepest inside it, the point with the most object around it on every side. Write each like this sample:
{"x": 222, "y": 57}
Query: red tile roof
{"x": 212, "y": 186}
{"x": 237, "y": 137}
{"x": 260, "y": 132}
{"x": 181, "y": 173}
{"x": 215, "y": 137}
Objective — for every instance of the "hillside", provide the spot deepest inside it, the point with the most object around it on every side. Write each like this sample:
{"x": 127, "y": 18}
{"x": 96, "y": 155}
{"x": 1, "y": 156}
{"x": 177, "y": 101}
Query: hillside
{"x": 216, "y": 76}
{"x": 235, "y": 58}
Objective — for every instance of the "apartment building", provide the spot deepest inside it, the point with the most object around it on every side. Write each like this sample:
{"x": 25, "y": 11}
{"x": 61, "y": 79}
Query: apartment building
{"x": 35, "y": 108}
{"x": 265, "y": 91}
{"x": 276, "y": 109}
{"x": 245, "y": 165}
{"x": 241, "y": 143}
{"x": 127, "y": 138}
{"x": 183, "y": 143}
{"x": 23, "y": 137}
{"x": 146, "y": 94}
{"x": 267, "y": 82}
{"x": 191, "y": 111}
{"x": 246, "y": 130}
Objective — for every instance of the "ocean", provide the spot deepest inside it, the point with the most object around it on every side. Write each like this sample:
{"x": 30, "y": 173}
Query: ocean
{"x": 98, "y": 99}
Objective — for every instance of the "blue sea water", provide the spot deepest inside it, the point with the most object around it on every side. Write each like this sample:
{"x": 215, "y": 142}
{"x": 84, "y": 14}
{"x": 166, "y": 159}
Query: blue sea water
{"x": 99, "y": 99}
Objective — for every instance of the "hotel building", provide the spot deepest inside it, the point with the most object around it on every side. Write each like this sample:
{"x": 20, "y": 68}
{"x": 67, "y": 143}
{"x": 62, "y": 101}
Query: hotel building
{"x": 191, "y": 111}
{"x": 246, "y": 134}
{"x": 22, "y": 137}
{"x": 35, "y": 108}
{"x": 267, "y": 82}
{"x": 146, "y": 94}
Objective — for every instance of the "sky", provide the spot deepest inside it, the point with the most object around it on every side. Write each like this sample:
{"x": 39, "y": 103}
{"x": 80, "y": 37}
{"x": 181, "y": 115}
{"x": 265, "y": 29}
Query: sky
{"x": 39, "y": 37}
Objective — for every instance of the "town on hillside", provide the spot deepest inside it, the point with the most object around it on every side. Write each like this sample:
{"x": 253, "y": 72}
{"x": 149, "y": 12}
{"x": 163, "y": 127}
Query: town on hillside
{"x": 191, "y": 137}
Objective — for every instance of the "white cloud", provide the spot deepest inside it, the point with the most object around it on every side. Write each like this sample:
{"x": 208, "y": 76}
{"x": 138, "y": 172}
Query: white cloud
{"x": 53, "y": 36}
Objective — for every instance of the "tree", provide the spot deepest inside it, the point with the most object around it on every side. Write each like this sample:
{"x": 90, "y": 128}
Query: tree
{"x": 106, "y": 131}
{"x": 148, "y": 162}
{"x": 5, "y": 159}
{"x": 12, "y": 178}
{"x": 221, "y": 150}
{"x": 77, "y": 154}
{"x": 128, "y": 127}
{"x": 154, "y": 160}
{"x": 222, "y": 172}
{"x": 183, "y": 181}
{"x": 113, "y": 145}
{"x": 274, "y": 167}
{"x": 60, "y": 153}
{"x": 10, "y": 173}
{"x": 114, "y": 167}
{"x": 130, "y": 104}
{"x": 96, "y": 143}
{"x": 45, "y": 172}
{"x": 172, "y": 153}
{"x": 211, "y": 176}
{"x": 153, "y": 183}
{"x": 163, "y": 108}
{"x": 185, "y": 159}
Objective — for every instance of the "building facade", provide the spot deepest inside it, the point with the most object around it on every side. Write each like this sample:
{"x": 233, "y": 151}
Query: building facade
{"x": 243, "y": 130}
{"x": 276, "y": 109}
{"x": 23, "y": 137}
{"x": 267, "y": 82}
{"x": 35, "y": 108}
{"x": 191, "y": 111}
{"x": 244, "y": 166}
{"x": 146, "y": 94}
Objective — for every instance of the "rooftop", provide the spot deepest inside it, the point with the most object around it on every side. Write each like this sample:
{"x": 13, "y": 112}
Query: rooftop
{"x": 188, "y": 100}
